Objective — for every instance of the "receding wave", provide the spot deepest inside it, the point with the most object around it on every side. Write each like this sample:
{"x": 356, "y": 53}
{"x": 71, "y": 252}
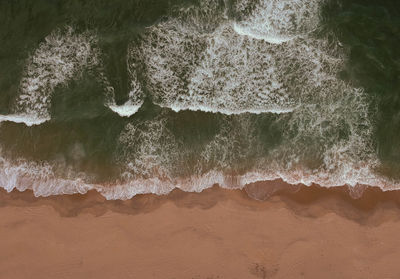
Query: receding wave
{"x": 43, "y": 181}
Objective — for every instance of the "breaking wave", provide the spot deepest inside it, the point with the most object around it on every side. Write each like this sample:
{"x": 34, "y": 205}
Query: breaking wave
{"x": 43, "y": 181}
{"x": 58, "y": 59}
{"x": 277, "y": 21}
{"x": 64, "y": 55}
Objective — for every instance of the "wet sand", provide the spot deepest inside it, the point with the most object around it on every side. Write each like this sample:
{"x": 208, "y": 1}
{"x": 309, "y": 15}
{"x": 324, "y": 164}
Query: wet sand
{"x": 308, "y": 233}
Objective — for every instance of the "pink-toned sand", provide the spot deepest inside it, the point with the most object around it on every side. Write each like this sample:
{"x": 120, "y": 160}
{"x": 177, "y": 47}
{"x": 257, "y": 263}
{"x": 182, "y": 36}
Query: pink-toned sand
{"x": 314, "y": 233}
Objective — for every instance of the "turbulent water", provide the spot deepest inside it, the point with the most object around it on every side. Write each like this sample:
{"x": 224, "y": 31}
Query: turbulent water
{"x": 130, "y": 97}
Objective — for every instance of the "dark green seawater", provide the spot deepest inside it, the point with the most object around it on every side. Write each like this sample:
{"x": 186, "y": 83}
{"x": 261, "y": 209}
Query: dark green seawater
{"x": 130, "y": 97}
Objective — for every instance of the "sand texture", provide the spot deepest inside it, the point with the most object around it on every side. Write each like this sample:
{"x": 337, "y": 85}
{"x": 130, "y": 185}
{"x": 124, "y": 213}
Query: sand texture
{"x": 312, "y": 233}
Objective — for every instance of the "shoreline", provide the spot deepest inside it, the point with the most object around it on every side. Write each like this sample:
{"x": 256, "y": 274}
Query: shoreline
{"x": 313, "y": 232}
{"x": 367, "y": 199}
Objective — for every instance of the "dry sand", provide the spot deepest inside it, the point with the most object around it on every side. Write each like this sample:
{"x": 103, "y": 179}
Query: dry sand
{"x": 313, "y": 233}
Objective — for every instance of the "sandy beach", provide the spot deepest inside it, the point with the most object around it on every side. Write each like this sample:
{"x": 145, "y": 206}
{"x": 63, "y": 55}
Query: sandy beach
{"x": 311, "y": 233}
{"x": 155, "y": 139}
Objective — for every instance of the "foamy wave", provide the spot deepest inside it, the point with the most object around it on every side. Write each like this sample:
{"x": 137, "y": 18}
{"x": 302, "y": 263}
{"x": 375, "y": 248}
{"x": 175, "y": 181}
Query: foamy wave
{"x": 193, "y": 61}
{"x": 191, "y": 66}
{"x": 61, "y": 57}
{"x": 127, "y": 109}
{"x": 198, "y": 183}
{"x": 178, "y": 108}
{"x": 41, "y": 179}
{"x": 277, "y": 21}
{"x": 38, "y": 177}
{"x": 28, "y": 120}
{"x": 150, "y": 152}
{"x": 135, "y": 96}
{"x": 270, "y": 38}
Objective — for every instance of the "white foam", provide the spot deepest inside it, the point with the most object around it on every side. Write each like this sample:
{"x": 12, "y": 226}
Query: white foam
{"x": 135, "y": 96}
{"x": 38, "y": 177}
{"x": 178, "y": 108}
{"x": 28, "y": 120}
{"x": 127, "y": 109}
{"x": 270, "y": 38}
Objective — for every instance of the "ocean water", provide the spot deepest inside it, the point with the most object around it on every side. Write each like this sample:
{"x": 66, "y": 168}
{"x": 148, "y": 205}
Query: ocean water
{"x": 129, "y": 97}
